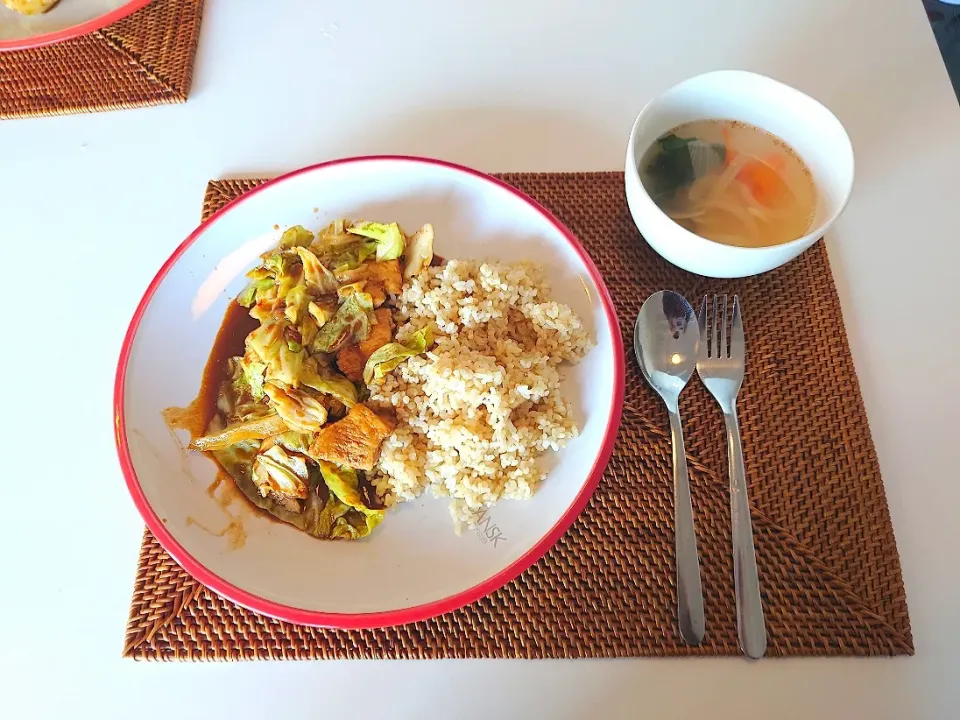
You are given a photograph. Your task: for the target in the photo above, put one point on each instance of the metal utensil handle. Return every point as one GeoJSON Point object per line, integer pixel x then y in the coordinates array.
{"type": "Point", "coordinates": [750, 628]}
{"type": "Point", "coordinates": [689, 590]}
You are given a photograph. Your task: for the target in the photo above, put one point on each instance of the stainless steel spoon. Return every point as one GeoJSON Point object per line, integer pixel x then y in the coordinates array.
{"type": "Point", "coordinates": [666, 340]}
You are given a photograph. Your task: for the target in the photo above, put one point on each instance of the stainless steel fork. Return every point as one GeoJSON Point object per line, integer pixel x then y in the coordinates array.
{"type": "Point", "coordinates": [721, 366]}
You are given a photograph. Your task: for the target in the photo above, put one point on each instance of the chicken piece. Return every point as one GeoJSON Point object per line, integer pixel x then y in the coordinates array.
{"type": "Point", "coordinates": [376, 294]}
{"type": "Point", "coordinates": [387, 275]}
{"type": "Point", "coordinates": [380, 334]}
{"type": "Point", "coordinates": [30, 7]}
{"type": "Point", "coordinates": [384, 275]}
{"type": "Point", "coordinates": [351, 360]}
{"type": "Point", "coordinates": [353, 442]}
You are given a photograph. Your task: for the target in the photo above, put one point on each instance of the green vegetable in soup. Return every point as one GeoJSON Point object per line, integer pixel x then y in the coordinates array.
{"type": "Point", "coordinates": [678, 161]}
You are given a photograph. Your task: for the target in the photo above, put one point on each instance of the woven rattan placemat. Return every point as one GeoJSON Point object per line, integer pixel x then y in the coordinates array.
{"type": "Point", "coordinates": [144, 59]}
{"type": "Point", "coordinates": [829, 569]}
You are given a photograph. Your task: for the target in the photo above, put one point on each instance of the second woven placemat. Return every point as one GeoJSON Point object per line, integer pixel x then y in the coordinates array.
{"type": "Point", "coordinates": [829, 569]}
{"type": "Point", "coordinates": [144, 59]}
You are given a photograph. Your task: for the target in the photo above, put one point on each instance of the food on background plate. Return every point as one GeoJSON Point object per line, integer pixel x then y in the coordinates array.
{"type": "Point", "coordinates": [30, 7]}
{"type": "Point", "coordinates": [730, 182]}
{"type": "Point", "coordinates": [364, 376]}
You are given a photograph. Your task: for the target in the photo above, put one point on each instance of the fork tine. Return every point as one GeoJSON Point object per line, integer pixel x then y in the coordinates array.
{"type": "Point", "coordinates": [737, 344]}
{"type": "Point", "coordinates": [722, 318]}
{"type": "Point", "coordinates": [702, 322]}
{"type": "Point", "coordinates": [715, 330]}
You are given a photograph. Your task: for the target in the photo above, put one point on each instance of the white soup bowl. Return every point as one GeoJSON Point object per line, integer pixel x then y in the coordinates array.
{"type": "Point", "coordinates": [803, 123]}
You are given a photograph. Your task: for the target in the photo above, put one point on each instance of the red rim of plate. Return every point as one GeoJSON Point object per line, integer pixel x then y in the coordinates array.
{"type": "Point", "coordinates": [74, 31]}
{"type": "Point", "coordinates": [389, 617]}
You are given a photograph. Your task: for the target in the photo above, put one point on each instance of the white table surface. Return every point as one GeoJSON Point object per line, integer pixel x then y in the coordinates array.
{"type": "Point", "coordinates": [90, 206]}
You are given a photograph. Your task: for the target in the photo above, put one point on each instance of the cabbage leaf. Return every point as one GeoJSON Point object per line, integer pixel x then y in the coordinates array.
{"type": "Point", "coordinates": [349, 325]}
{"type": "Point", "coordinates": [389, 238]}
{"type": "Point", "coordinates": [255, 429]}
{"type": "Point", "coordinates": [344, 485]}
{"type": "Point", "coordinates": [315, 272]}
{"type": "Point", "coordinates": [253, 372]}
{"type": "Point", "coordinates": [392, 354]}
{"type": "Point", "coordinates": [296, 236]}
{"type": "Point", "coordinates": [276, 470]}
{"type": "Point", "coordinates": [419, 252]}
{"type": "Point", "coordinates": [326, 381]}
{"type": "Point", "coordinates": [300, 411]}
{"type": "Point", "coordinates": [254, 291]}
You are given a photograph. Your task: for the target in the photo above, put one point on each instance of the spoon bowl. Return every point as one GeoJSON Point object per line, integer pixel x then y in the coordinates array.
{"type": "Point", "coordinates": [666, 341]}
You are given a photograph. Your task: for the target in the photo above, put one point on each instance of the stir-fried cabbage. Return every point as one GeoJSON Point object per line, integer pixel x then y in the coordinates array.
{"type": "Point", "coordinates": [280, 263]}
{"type": "Point", "coordinates": [264, 342]}
{"type": "Point", "coordinates": [253, 373]}
{"type": "Point", "coordinates": [276, 470]}
{"type": "Point", "coordinates": [316, 274]}
{"type": "Point", "coordinates": [314, 298]}
{"type": "Point", "coordinates": [351, 324]}
{"type": "Point", "coordinates": [389, 238]}
{"type": "Point", "coordinates": [285, 366]}
{"type": "Point", "coordinates": [295, 236]}
{"type": "Point", "coordinates": [297, 301]}
{"type": "Point", "coordinates": [391, 355]}
{"type": "Point", "coordinates": [254, 291]}
{"type": "Point", "coordinates": [321, 312]}
{"type": "Point", "coordinates": [299, 410]}
{"type": "Point", "coordinates": [345, 491]}
{"type": "Point", "coordinates": [294, 441]}
{"type": "Point", "coordinates": [255, 429]}
{"type": "Point", "coordinates": [419, 252]}
{"type": "Point", "coordinates": [326, 381]}
{"type": "Point", "coordinates": [352, 256]}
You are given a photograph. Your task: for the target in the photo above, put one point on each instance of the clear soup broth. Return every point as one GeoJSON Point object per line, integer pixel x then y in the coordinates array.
{"type": "Point", "coordinates": [730, 182]}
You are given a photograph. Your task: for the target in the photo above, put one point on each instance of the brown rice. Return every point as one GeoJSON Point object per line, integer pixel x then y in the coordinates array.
{"type": "Point", "coordinates": [477, 410]}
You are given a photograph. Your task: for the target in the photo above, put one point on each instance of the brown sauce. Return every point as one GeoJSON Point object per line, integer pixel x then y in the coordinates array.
{"type": "Point", "coordinates": [224, 492]}
{"type": "Point", "coordinates": [234, 532]}
{"type": "Point", "coordinates": [195, 417]}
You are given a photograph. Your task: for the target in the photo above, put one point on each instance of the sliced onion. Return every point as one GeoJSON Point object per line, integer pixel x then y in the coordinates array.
{"type": "Point", "coordinates": [750, 227]}
{"type": "Point", "coordinates": [728, 175]}
{"type": "Point", "coordinates": [686, 215]}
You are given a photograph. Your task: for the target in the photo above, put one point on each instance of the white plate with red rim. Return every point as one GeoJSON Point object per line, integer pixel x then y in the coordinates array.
{"type": "Point", "coordinates": [66, 20]}
{"type": "Point", "coordinates": [413, 566]}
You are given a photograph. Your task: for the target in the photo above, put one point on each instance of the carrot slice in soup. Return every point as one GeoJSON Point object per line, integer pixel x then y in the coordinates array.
{"type": "Point", "coordinates": [764, 181]}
